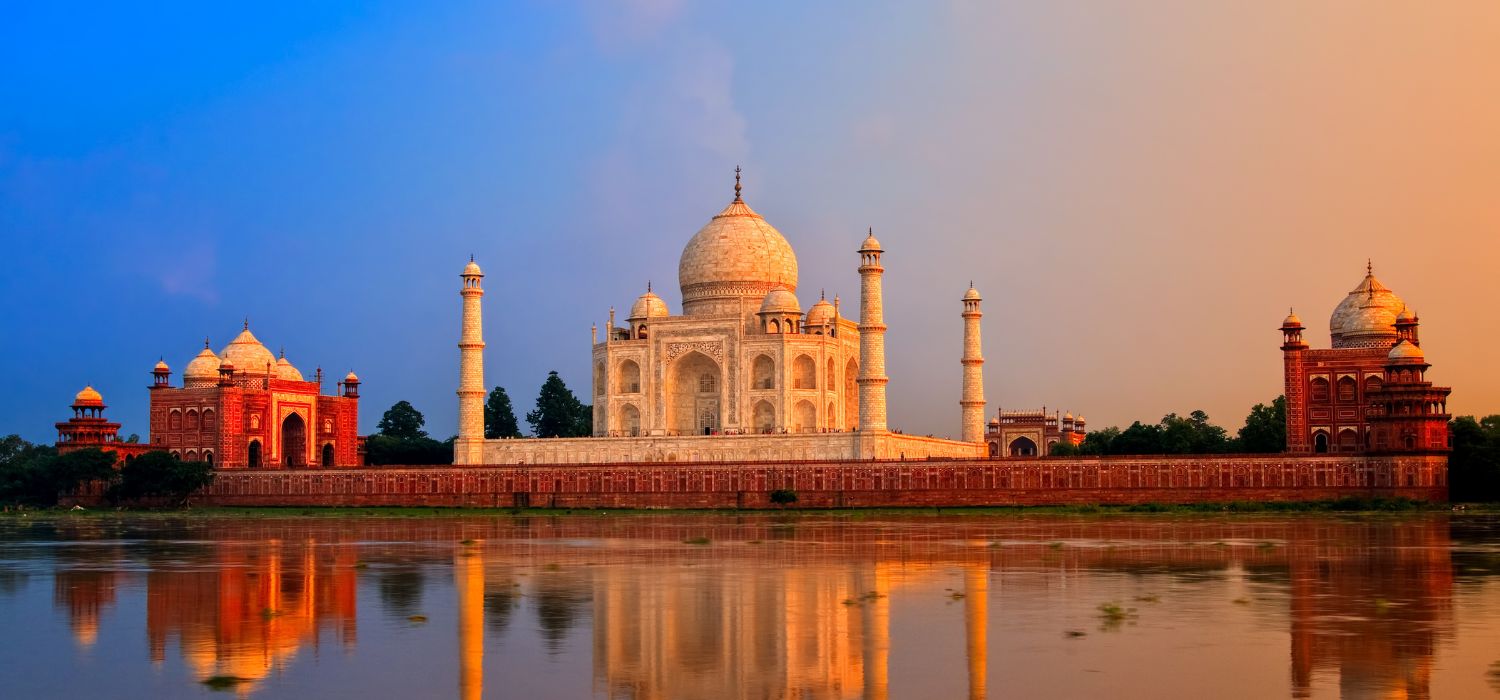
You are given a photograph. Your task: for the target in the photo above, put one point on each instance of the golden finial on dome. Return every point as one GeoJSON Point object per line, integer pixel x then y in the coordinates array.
{"type": "Point", "coordinates": [736, 183]}
{"type": "Point", "coordinates": [205, 342]}
{"type": "Point", "coordinates": [247, 323]}
{"type": "Point", "coordinates": [648, 286]}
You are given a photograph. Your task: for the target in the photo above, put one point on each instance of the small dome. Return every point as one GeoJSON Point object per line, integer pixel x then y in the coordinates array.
{"type": "Point", "coordinates": [870, 244]}
{"type": "Point", "coordinates": [1291, 319]}
{"type": "Point", "coordinates": [472, 269]}
{"type": "Point", "coordinates": [1404, 351]}
{"type": "Point", "coordinates": [1366, 318]}
{"type": "Point", "coordinates": [972, 294]}
{"type": "Point", "coordinates": [351, 378]}
{"type": "Point", "coordinates": [780, 300]}
{"type": "Point", "coordinates": [285, 370]}
{"type": "Point", "coordinates": [88, 397]}
{"type": "Point", "coordinates": [820, 314]}
{"type": "Point", "coordinates": [648, 305]}
{"type": "Point", "coordinates": [204, 366]}
{"type": "Point", "coordinates": [1068, 416]}
{"type": "Point", "coordinates": [1406, 316]}
{"type": "Point", "coordinates": [247, 353]}
{"type": "Point", "coordinates": [161, 366]}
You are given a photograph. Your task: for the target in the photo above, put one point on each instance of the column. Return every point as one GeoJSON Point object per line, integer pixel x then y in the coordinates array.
{"type": "Point", "coordinates": [971, 403]}
{"type": "Point", "coordinates": [470, 444]}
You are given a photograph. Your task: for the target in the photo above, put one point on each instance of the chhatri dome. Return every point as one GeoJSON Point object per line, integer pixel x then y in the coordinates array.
{"type": "Point", "coordinates": [780, 300]}
{"type": "Point", "coordinates": [88, 397]}
{"type": "Point", "coordinates": [736, 257]}
{"type": "Point", "coordinates": [203, 368]}
{"type": "Point", "coordinates": [285, 370]}
{"type": "Point", "coordinates": [648, 305]}
{"type": "Point", "coordinates": [821, 313]}
{"type": "Point", "coordinates": [1366, 318]}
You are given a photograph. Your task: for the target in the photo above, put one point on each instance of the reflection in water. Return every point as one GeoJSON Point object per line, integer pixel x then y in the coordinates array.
{"type": "Point", "coordinates": [766, 609]}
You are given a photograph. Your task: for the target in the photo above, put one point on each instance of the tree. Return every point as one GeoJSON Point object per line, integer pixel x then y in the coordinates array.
{"type": "Point", "coordinates": [36, 475]}
{"type": "Point", "coordinates": [157, 474]}
{"type": "Point", "coordinates": [499, 416]}
{"type": "Point", "coordinates": [558, 412]}
{"type": "Point", "coordinates": [1265, 428]}
{"type": "Point", "coordinates": [1474, 466]}
{"type": "Point", "coordinates": [403, 422]}
{"type": "Point", "coordinates": [384, 450]}
{"type": "Point", "coordinates": [1098, 442]}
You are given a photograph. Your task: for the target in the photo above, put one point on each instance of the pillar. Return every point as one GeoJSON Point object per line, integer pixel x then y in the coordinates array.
{"type": "Point", "coordinates": [1294, 353]}
{"type": "Point", "coordinates": [971, 403]}
{"type": "Point", "coordinates": [470, 444]}
{"type": "Point", "coordinates": [872, 379]}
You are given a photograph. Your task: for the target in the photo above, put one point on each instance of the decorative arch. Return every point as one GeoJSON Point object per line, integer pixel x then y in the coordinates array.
{"type": "Point", "coordinates": [174, 420]}
{"type": "Point", "coordinates": [1373, 384]}
{"type": "Point", "coordinates": [830, 419]}
{"type": "Point", "coordinates": [210, 419]}
{"type": "Point", "coordinates": [190, 456]}
{"type": "Point", "coordinates": [628, 420]}
{"type": "Point", "coordinates": [642, 333]}
{"type": "Point", "coordinates": [208, 457]}
{"type": "Point", "coordinates": [328, 455]}
{"type": "Point", "coordinates": [1320, 441]}
{"type": "Point", "coordinates": [190, 419]}
{"type": "Point", "coordinates": [764, 416]}
{"type": "Point", "coordinates": [598, 379]}
{"type": "Point", "coordinates": [628, 378]}
{"type": "Point", "coordinates": [830, 379]}
{"type": "Point", "coordinates": [255, 421]}
{"type": "Point", "coordinates": [294, 440]}
{"type": "Point", "coordinates": [1348, 440]}
{"type": "Point", "coordinates": [1022, 447]}
{"type": "Point", "coordinates": [252, 455]}
{"type": "Point", "coordinates": [763, 373]}
{"type": "Point", "coordinates": [775, 326]}
{"type": "Point", "coordinates": [690, 409]}
{"type": "Point", "coordinates": [1348, 389]}
{"type": "Point", "coordinates": [1318, 390]}
{"type": "Point", "coordinates": [851, 394]}
{"type": "Point", "coordinates": [804, 417]}
{"type": "Point", "coordinates": [994, 449]}
{"type": "Point", "coordinates": [804, 373]}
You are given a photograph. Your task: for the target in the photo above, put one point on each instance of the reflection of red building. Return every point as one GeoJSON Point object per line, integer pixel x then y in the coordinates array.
{"type": "Point", "coordinates": [88, 428]}
{"type": "Point", "coordinates": [245, 407]}
{"type": "Point", "coordinates": [1368, 392]}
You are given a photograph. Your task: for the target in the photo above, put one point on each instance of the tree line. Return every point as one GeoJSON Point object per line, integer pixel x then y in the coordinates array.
{"type": "Point", "coordinates": [36, 475]}
{"type": "Point", "coordinates": [1264, 432]}
{"type": "Point", "coordinates": [400, 437]}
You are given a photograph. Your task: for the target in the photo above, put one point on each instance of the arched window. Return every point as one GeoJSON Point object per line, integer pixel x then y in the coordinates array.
{"type": "Point", "coordinates": [1372, 384]}
{"type": "Point", "coordinates": [190, 456]}
{"type": "Point", "coordinates": [1320, 442]}
{"type": "Point", "coordinates": [830, 382]}
{"type": "Point", "coordinates": [994, 449]}
{"type": "Point", "coordinates": [599, 379]}
{"type": "Point", "coordinates": [1348, 440]}
{"type": "Point", "coordinates": [253, 454]}
{"type": "Point", "coordinates": [775, 326]}
{"type": "Point", "coordinates": [328, 425]}
{"type": "Point", "coordinates": [255, 421]}
{"type": "Point", "coordinates": [804, 373]}
{"type": "Point", "coordinates": [641, 332]}
{"type": "Point", "coordinates": [174, 420]}
{"type": "Point", "coordinates": [191, 422]}
{"type": "Point", "coordinates": [1319, 393]}
{"type": "Point", "coordinates": [708, 383]}
{"type": "Point", "coordinates": [628, 380]}
{"type": "Point", "coordinates": [208, 457]}
{"type": "Point", "coordinates": [763, 373]}
{"type": "Point", "coordinates": [327, 454]}
{"type": "Point", "coordinates": [1346, 390]}
{"type": "Point", "coordinates": [208, 419]}
{"type": "Point", "coordinates": [765, 416]}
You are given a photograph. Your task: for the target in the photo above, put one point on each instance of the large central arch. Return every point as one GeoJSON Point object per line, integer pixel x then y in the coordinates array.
{"type": "Point", "coordinates": [293, 441]}
{"type": "Point", "coordinates": [694, 389]}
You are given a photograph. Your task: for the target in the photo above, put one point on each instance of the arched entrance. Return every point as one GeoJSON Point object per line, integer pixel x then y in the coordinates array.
{"type": "Point", "coordinates": [327, 460]}
{"type": "Point", "coordinates": [253, 458]}
{"type": "Point", "coordinates": [294, 441]}
{"type": "Point", "coordinates": [693, 395]}
{"type": "Point", "coordinates": [1320, 443]}
{"type": "Point", "coordinates": [1022, 447]}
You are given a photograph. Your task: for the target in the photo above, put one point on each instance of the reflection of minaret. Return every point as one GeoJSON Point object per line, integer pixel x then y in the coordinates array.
{"type": "Point", "coordinates": [976, 623]}
{"type": "Point", "coordinates": [877, 623]}
{"type": "Point", "coordinates": [470, 445]}
{"type": "Point", "coordinates": [468, 581]}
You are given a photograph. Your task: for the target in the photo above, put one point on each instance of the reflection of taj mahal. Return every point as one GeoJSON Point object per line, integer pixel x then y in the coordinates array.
{"type": "Point", "coordinates": [741, 374]}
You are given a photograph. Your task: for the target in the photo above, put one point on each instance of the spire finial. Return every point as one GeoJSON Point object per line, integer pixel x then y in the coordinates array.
{"type": "Point", "coordinates": [822, 295]}
{"type": "Point", "coordinates": [283, 352]}
{"type": "Point", "coordinates": [648, 286]}
{"type": "Point", "coordinates": [736, 183]}
{"type": "Point", "coordinates": [1369, 266]}
{"type": "Point", "coordinates": [247, 323]}
{"type": "Point", "coordinates": [205, 342]}
{"type": "Point", "coordinates": [471, 257]}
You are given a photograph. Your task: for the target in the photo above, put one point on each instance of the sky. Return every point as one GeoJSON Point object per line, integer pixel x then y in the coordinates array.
{"type": "Point", "coordinates": [1140, 190]}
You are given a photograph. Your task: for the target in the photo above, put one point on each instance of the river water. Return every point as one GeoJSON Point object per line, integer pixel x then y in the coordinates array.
{"type": "Point", "coordinates": [757, 606]}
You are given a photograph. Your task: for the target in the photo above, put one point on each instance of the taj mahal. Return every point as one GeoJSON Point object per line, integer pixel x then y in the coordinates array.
{"type": "Point", "coordinates": [741, 374]}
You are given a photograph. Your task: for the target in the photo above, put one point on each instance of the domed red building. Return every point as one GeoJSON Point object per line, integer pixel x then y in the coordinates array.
{"type": "Point", "coordinates": [1368, 393]}
{"type": "Point", "coordinates": [244, 407]}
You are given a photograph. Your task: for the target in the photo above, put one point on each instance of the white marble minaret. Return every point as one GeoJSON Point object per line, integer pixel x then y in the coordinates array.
{"type": "Point", "coordinates": [872, 379]}
{"type": "Point", "coordinates": [469, 448]}
{"type": "Point", "coordinates": [972, 401]}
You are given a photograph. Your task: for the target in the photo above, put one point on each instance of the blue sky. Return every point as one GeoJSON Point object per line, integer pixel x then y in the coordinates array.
{"type": "Point", "coordinates": [1139, 193]}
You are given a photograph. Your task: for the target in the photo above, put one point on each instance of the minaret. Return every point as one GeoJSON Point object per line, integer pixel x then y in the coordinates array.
{"type": "Point", "coordinates": [872, 379]}
{"type": "Point", "coordinates": [1294, 357]}
{"type": "Point", "coordinates": [470, 445]}
{"type": "Point", "coordinates": [972, 401]}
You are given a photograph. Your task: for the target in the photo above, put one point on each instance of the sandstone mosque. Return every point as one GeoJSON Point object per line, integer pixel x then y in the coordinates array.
{"type": "Point", "coordinates": [742, 374]}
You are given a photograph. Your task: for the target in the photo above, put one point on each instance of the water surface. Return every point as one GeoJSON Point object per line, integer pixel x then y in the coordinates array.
{"type": "Point", "coordinates": [761, 606]}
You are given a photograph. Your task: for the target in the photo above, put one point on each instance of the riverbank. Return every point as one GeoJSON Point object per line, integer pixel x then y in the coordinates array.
{"type": "Point", "coordinates": [1346, 506]}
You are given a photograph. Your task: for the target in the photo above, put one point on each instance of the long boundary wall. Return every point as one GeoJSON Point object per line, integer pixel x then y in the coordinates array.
{"type": "Point", "coordinates": [847, 484]}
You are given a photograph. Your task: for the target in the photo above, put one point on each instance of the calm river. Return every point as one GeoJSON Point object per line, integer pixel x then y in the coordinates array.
{"type": "Point", "coordinates": [761, 606]}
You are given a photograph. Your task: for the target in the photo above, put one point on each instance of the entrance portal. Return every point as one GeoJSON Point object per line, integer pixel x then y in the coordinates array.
{"type": "Point", "coordinates": [294, 441]}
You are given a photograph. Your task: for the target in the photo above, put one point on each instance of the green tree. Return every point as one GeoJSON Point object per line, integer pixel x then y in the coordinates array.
{"type": "Point", "coordinates": [157, 474]}
{"type": "Point", "coordinates": [558, 412]}
{"type": "Point", "coordinates": [403, 421]}
{"type": "Point", "coordinates": [1063, 448]}
{"type": "Point", "coordinates": [1474, 466]}
{"type": "Point", "coordinates": [1138, 439]}
{"type": "Point", "coordinates": [1265, 428]}
{"type": "Point", "coordinates": [499, 416]}
{"type": "Point", "coordinates": [1099, 442]}
{"type": "Point", "coordinates": [36, 475]}
{"type": "Point", "coordinates": [386, 450]}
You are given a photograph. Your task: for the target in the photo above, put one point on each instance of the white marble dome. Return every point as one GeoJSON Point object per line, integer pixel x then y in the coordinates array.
{"type": "Point", "coordinates": [648, 305]}
{"type": "Point", "coordinates": [285, 370]}
{"type": "Point", "coordinates": [1366, 318]}
{"type": "Point", "coordinates": [736, 255]}
{"type": "Point", "coordinates": [780, 300]}
{"type": "Point", "coordinates": [247, 353]}
{"type": "Point", "coordinates": [820, 314]}
{"type": "Point", "coordinates": [203, 367]}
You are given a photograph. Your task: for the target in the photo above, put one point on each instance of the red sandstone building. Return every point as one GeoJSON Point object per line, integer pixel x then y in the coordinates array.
{"type": "Point", "coordinates": [1032, 433]}
{"type": "Point", "coordinates": [245, 408]}
{"type": "Point", "coordinates": [89, 428]}
{"type": "Point", "coordinates": [1369, 392]}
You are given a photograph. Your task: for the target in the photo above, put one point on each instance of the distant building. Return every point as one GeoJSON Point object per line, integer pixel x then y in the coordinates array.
{"type": "Point", "coordinates": [1368, 392]}
{"type": "Point", "coordinates": [88, 428]}
{"type": "Point", "coordinates": [1032, 433]}
{"type": "Point", "coordinates": [245, 408]}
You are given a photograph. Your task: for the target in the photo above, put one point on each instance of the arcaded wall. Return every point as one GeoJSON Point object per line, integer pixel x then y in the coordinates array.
{"type": "Point", "coordinates": [836, 484]}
